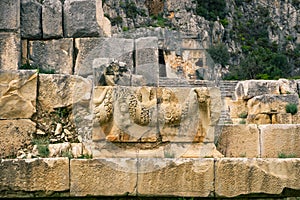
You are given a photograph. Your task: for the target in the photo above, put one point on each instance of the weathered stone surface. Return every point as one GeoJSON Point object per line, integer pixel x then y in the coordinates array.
{"type": "Point", "coordinates": [259, 119]}
{"type": "Point", "coordinates": [17, 94]}
{"type": "Point", "coordinates": [123, 114]}
{"type": "Point", "coordinates": [296, 118]}
{"type": "Point", "coordinates": [268, 104]}
{"type": "Point", "coordinates": [239, 141]}
{"type": "Point", "coordinates": [251, 88]}
{"type": "Point", "coordinates": [185, 114]}
{"type": "Point", "coordinates": [9, 51]}
{"type": "Point", "coordinates": [237, 108]}
{"type": "Point", "coordinates": [14, 135]}
{"type": "Point", "coordinates": [57, 90]}
{"type": "Point", "coordinates": [10, 15]}
{"type": "Point", "coordinates": [31, 15]}
{"type": "Point", "coordinates": [92, 49]}
{"type": "Point", "coordinates": [83, 18]}
{"type": "Point", "coordinates": [234, 177]}
{"type": "Point", "coordinates": [191, 150]}
{"type": "Point", "coordinates": [176, 177]}
{"type": "Point", "coordinates": [103, 177]}
{"type": "Point", "coordinates": [52, 56]}
{"type": "Point", "coordinates": [280, 139]}
{"type": "Point", "coordinates": [34, 175]}
{"type": "Point", "coordinates": [287, 86]}
{"type": "Point", "coordinates": [282, 118]}
{"type": "Point", "coordinates": [147, 59]}
{"type": "Point", "coordinates": [52, 19]}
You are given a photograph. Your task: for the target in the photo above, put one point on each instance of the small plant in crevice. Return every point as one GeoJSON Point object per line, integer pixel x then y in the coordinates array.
{"type": "Point", "coordinates": [85, 156]}
{"type": "Point", "coordinates": [242, 121]}
{"type": "Point", "coordinates": [168, 154]}
{"type": "Point", "coordinates": [283, 155]}
{"type": "Point", "coordinates": [291, 108]}
{"type": "Point", "coordinates": [243, 115]}
{"type": "Point", "coordinates": [67, 154]}
{"type": "Point", "coordinates": [42, 146]}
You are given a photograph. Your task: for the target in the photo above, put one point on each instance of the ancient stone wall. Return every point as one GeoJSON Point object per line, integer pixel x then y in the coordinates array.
{"type": "Point", "coordinates": [85, 113]}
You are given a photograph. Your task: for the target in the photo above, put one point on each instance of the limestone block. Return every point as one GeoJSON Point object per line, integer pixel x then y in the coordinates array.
{"type": "Point", "coordinates": [296, 118]}
{"type": "Point", "coordinates": [185, 114]}
{"type": "Point", "coordinates": [83, 18]}
{"type": "Point", "coordinates": [9, 51]}
{"type": "Point", "coordinates": [52, 19]}
{"type": "Point", "coordinates": [147, 59]}
{"type": "Point", "coordinates": [105, 177]}
{"type": "Point", "coordinates": [52, 56]}
{"type": "Point", "coordinates": [287, 86]}
{"type": "Point", "coordinates": [17, 94]}
{"type": "Point", "coordinates": [125, 114]}
{"type": "Point", "coordinates": [251, 88]}
{"type": "Point", "coordinates": [92, 49]}
{"type": "Point", "coordinates": [259, 119]}
{"type": "Point", "coordinates": [239, 141]}
{"type": "Point", "coordinates": [34, 175]}
{"type": "Point", "coordinates": [31, 23]}
{"type": "Point", "coordinates": [57, 90]}
{"type": "Point", "coordinates": [237, 108]}
{"type": "Point", "coordinates": [234, 177]}
{"type": "Point", "coordinates": [176, 177]}
{"type": "Point", "coordinates": [268, 104]}
{"type": "Point", "coordinates": [282, 118]}
{"type": "Point", "coordinates": [280, 138]}
{"type": "Point", "coordinates": [14, 135]}
{"type": "Point", "coordinates": [10, 15]}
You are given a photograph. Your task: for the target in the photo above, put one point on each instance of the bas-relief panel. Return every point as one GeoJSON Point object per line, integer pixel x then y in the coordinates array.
{"type": "Point", "coordinates": [148, 114]}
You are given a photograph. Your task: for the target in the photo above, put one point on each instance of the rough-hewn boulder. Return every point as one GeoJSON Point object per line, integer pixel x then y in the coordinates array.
{"type": "Point", "coordinates": [267, 104]}
{"type": "Point", "coordinates": [251, 88]}
{"type": "Point", "coordinates": [17, 94]}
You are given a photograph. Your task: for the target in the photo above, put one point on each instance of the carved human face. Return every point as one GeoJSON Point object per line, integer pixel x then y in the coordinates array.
{"type": "Point", "coordinates": [166, 96]}
{"type": "Point", "coordinates": [123, 107]}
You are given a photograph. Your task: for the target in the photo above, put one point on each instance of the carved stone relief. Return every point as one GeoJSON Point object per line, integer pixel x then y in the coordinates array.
{"type": "Point", "coordinates": [148, 114]}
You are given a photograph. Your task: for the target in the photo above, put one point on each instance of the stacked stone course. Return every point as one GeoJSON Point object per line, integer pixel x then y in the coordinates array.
{"type": "Point", "coordinates": [174, 141]}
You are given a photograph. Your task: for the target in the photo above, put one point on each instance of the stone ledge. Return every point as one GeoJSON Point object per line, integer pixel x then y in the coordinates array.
{"type": "Point", "coordinates": [151, 177]}
{"type": "Point", "coordinates": [42, 177]}
{"type": "Point", "coordinates": [243, 176]}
